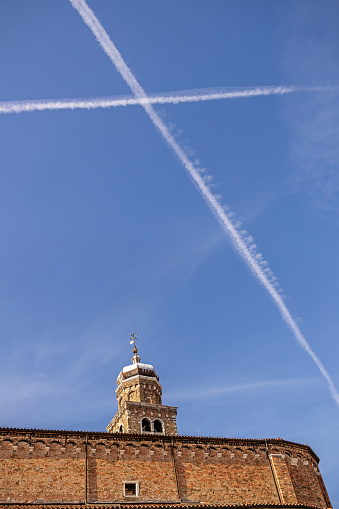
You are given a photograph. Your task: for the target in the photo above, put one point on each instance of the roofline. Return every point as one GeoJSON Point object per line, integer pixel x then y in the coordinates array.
{"type": "Point", "coordinates": [152, 505]}
{"type": "Point", "coordinates": [156, 406]}
{"type": "Point", "coordinates": [164, 438]}
{"type": "Point", "coordinates": [128, 379]}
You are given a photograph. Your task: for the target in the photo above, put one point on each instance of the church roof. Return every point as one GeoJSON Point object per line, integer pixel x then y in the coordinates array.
{"type": "Point", "coordinates": [137, 368]}
{"type": "Point", "coordinates": [140, 365]}
{"type": "Point", "coordinates": [152, 505]}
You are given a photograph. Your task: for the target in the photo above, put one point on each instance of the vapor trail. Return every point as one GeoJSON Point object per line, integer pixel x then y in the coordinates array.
{"type": "Point", "coordinates": [240, 241]}
{"type": "Point", "coordinates": [181, 96]}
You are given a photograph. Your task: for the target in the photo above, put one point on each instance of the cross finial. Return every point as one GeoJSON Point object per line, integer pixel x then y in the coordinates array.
{"type": "Point", "coordinates": [133, 338]}
{"type": "Point", "coordinates": [135, 357]}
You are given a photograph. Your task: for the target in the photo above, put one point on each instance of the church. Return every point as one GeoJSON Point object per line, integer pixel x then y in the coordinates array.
{"type": "Point", "coordinates": [142, 462]}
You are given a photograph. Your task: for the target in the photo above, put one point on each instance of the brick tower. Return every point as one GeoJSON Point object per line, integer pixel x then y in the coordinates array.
{"type": "Point", "coordinates": [140, 409]}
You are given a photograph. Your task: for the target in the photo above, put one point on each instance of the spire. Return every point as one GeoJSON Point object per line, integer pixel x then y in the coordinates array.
{"type": "Point", "coordinates": [135, 358]}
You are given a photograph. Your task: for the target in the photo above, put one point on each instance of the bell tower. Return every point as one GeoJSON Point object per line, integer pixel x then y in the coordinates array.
{"type": "Point", "coordinates": [140, 409]}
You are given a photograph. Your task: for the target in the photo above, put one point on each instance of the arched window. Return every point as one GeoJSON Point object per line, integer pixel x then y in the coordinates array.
{"type": "Point", "coordinates": [131, 396]}
{"type": "Point", "coordinates": [145, 425]}
{"type": "Point", "coordinates": [121, 428]}
{"type": "Point", "coordinates": [158, 426]}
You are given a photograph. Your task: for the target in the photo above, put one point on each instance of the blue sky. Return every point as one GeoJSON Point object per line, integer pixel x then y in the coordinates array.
{"type": "Point", "coordinates": [103, 233]}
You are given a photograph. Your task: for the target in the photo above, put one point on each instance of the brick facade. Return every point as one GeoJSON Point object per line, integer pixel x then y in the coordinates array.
{"type": "Point", "coordinates": [142, 460]}
{"type": "Point", "coordinates": [74, 467]}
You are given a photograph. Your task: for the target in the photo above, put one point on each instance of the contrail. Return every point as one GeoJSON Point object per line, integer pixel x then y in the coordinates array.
{"type": "Point", "coordinates": [240, 241]}
{"type": "Point", "coordinates": [178, 97]}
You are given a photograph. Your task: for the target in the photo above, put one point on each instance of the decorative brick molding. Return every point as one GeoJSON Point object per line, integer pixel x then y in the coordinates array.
{"type": "Point", "coordinates": [215, 471]}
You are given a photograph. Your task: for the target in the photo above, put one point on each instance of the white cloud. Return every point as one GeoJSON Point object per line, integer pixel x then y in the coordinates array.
{"type": "Point", "coordinates": [311, 56]}
{"type": "Point", "coordinates": [52, 381]}
{"type": "Point", "coordinates": [200, 392]}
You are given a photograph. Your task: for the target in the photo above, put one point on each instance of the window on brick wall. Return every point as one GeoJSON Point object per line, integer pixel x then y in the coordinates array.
{"type": "Point", "coordinates": [158, 426]}
{"type": "Point", "coordinates": [132, 396]}
{"type": "Point", "coordinates": [145, 425]}
{"type": "Point", "coordinates": [131, 489]}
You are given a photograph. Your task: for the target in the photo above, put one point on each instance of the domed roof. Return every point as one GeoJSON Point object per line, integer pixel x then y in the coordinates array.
{"type": "Point", "coordinates": [137, 368]}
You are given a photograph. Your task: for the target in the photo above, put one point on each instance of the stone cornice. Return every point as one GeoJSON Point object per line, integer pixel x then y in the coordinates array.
{"type": "Point", "coordinates": [177, 439]}
{"type": "Point", "coordinates": [133, 378]}
{"type": "Point", "coordinates": [153, 505]}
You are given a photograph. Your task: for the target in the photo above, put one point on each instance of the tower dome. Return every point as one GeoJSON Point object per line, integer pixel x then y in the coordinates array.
{"type": "Point", "coordinates": [138, 382]}
{"type": "Point", "coordinates": [135, 369]}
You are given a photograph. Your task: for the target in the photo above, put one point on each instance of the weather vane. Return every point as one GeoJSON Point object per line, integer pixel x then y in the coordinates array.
{"type": "Point", "coordinates": [133, 338]}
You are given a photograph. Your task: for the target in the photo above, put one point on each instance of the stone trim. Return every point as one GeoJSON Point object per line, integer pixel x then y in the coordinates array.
{"type": "Point", "coordinates": [148, 378]}
{"type": "Point", "coordinates": [100, 435]}
{"type": "Point", "coordinates": [152, 505]}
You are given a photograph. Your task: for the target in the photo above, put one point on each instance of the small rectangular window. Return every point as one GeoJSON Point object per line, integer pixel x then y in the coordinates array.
{"type": "Point", "coordinates": [131, 489]}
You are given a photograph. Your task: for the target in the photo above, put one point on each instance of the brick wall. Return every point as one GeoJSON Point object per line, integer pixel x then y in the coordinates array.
{"type": "Point", "coordinates": [306, 479]}
{"type": "Point", "coordinates": [46, 466]}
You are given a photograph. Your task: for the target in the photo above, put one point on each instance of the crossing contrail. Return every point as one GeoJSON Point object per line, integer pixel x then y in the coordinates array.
{"type": "Point", "coordinates": [240, 241]}
{"type": "Point", "coordinates": [178, 97]}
